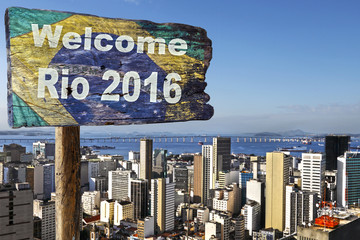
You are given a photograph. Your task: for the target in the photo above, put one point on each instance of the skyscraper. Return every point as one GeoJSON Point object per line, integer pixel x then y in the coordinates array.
{"type": "Point", "coordinates": [44, 181]}
{"type": "Point", "coordinates": [222, 157]}
{"type": "Point", "coordinates": [14, 151]}
{"type": "Point", "coordinates": [335, 146]}
{"type": "Point", "coordinates": [45, 210]}
{"type": "Point", "coordinates": [16, 212]}
{"type": "Point", "coordinates": [225, 222]}
{"type": "Point", "coordinates": [146, 148]}
{"type": "Point", "coordinates": [313, 173]}
{"type": "Point", "coordinates": [255, 191]}
{"type": "Point", "coordinates": [198, 179]}
{"type": "Point", "coordinates": [348, 180]}
{"type": "Point", "coordinates": [139, 196]}
{"type": "Point", "coordinates": [208, 170]}
{"type": "Point", "coordinates": [119, 184]}
{"type": "Point", "coordinates": [277, 177]}
{"type": "Point", "coordinates": [300, 208]}
{"type": "Point", "coordinates": [159, 169]}
{"type": "Point", "coordinates": [163, 204]}
{"type": "Point", "coordinates": [180, 177]}
{"type": "Point", "coordinates": [44, 149]}
{"type": "Point", "coordinates": [252, 213]}
{"type": "Point", "coordinates": [244, 177]}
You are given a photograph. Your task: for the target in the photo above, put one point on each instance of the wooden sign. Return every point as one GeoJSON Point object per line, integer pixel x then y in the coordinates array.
{"type": "Point", "coordinates": [68, 69]}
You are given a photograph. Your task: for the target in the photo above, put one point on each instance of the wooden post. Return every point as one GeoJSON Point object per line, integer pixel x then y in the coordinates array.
{"type": "Point", "coordinates": [67, 182]}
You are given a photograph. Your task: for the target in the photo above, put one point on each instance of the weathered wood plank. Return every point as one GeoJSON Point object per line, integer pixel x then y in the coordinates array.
{"type": "Point", "coordinates": [67, 182]}
{"type": "Point", "coordinates": [67, 69]}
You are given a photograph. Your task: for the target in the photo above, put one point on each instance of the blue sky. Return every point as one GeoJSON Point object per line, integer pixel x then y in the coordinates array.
{"type": "Point", "coordinates": [277, 65]}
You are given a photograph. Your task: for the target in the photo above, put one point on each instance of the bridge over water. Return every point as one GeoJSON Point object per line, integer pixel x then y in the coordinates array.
{"type": "Point", "coordinates": [170, 139]}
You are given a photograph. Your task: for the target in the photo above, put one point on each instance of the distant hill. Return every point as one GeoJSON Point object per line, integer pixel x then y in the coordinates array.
{"type": "Point", "coordinates": [267, 134]}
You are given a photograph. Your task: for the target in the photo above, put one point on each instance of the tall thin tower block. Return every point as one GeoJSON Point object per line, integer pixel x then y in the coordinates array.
{"type": "Point", "coordinates": [146, 148]}
{"type": "Point", "coordinates": [277, 177]}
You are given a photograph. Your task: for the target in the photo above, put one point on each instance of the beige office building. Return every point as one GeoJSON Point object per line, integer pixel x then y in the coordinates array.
{"type": "Point", "coordinates": [198, 179]}
{"type": "Point", "coordinates": [146, 149]}
{"type": "Point", "coordinates": [277, 177]}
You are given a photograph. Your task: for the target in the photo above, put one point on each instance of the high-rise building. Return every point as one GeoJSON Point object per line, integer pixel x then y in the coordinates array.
{"type": "Point", "coordinates": [44, 181]}
{"type": "Point", "coordinates": [335, 146]}
{"type": "Point", "coordinates": [119, 184]}
{"type": "Point", "coordinates": [29, 178]}
{"type": "Point", "coordinates": [254, 160]}
{"type": "Point", "coordinates": [251, 212]}
{"type": "Point", "coordinates": [159, 167]}
{"type": "Point", "coordinates": [313, 173]}
{"type": "Point", "coordinates": [44, 150]}
{"type": "Point", "coordinates": [198, 179]}
{"type": "Point", "coordinates": [106, 166]}
{"type": "Point", "coordinates": [255, 191]}
{"type": "Point", "coordinates": [222, 156]}
{"type": "Point", "coordinates": [146, 149]}
{"type": "Point", "coordinates": [227, 200]}
{"type": "Point", "coordinates": [139, 196]}
{"type": "Point", "coordinates": [145, 227]}
{"type": "Point", "coordinates": [228, 177]}
{"type": "Point", "coordinates": [212, 230]}
{"type": "Point", "coordinates": [16, 212]}
{"type": "Point", "coordinates": [123, 210]}
{"type": "Point", "coordinates": [239, 227]}
{"type": "Point", "coordinates": [180, 178]}
{"type": "Point", "coordinates": [277, 177]}
{"type": "Point", "coordinates": [134, 156]}
{"type": "Point", "coordinates": [93, 169]}
{"type": "Point", "coordinates": [107, 211]}
{"type": "Point", "coordinates": [163, 204]}
{"type": "Point", "coordinates": [91, 202]}
{"type": "Point", "coordinates": [300, 208]}
{"type": "Point", "coordinates": [208, 169]}
{"type": "Point", "coordinates": [45, 210]}
{"type": "Point", "coordinates": [1, 172]}
{"type": "Point", "coordinates": [14, 151]}
{"type": "Point", "coordinates": [244, 177]}
{"type": "Point", "coordinates": [225, 222]}
{"type": "Point", "coordinates": [348, 179]}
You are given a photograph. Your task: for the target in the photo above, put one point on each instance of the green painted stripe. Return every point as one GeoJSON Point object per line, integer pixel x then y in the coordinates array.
{"type": "Point", "coordinates": [23, 115]}
{"type": "Point", "coordinates": [169, 32]}
{"type": "Point", "coordinates": [22, 18]}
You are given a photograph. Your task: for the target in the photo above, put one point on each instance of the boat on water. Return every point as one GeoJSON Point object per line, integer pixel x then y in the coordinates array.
{"type": "Point", "coordinates": [200, 143]}
{"type": "Point", "coordinates": [306, 141]}
{"type": "Point", "coordinates": [293, 149]}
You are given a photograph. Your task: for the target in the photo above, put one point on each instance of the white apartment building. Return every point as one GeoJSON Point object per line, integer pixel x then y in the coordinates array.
{"type": "Point", "coordinates": [46, 212]}
{"type": "Point", "coordinates": [225, 222]}
{"type": "Point", "coordinates": [313, 173]}
{"type": "Point", "coordinates": [203, 214]}
{"type": "Point", "coordinates": [91, 202]}
{"type": "Point", "coordinates": [252, 213]}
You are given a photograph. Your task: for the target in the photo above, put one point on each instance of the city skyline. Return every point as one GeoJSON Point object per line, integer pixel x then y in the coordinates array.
{"type": "Point", "coordinates": [276, 65]}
